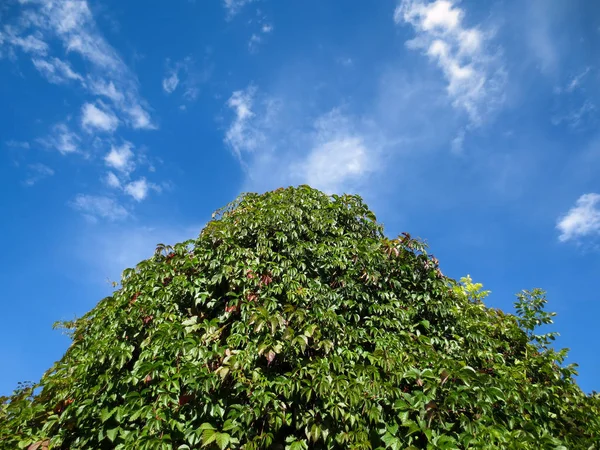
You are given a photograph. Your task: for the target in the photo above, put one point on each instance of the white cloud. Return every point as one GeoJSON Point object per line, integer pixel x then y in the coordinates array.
{"type": "Point", "coordinates": [330, 165]}
{"type": "Point", "coordinates": [267, 28]}
{"type": "Point", "coordinates": [438, 15]}
{"type": "Point", "coordinates": [38, 172]}
{"type": "Point", "coordinates": [139, 189]}
{"type": "Point", "coordinates": [339, 155]}
{"type": "Point", "coordinates": [170, 82]}
{"type": "Point", "coordinates": [475, 77]}
{"type": "Point", "coordinates": [62, 139]}
{"type": "Point", "coordinates": [234, 6]}
{"type": "Point", "coordinates": [120, 158]}
{"type": "Point", "coordinates": [55, 70]}
{"type": "Point", "coordinates": [103, 119]}
{"type": "Point", "coordinates": [583, 220]}
{"type": "Point", "coordinates": [112, 180]}
{"type": "Point", "coordinates": [99, 207]}
{"type": "Point", "coordinates": [243, 135]}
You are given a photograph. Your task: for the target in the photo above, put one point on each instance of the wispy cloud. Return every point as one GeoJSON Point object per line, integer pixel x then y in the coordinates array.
{"type": "Point", "coordinates": [37, 172]}
{"type": "Point", "coordinates": [170, 82]}
{"type": "Point", "coordinates": [62, 139]}
{"type": "Point", "coordinates": [99, 207]}
{"type": "Point", "coordinates": [257, 38]}
{"type": "Point", "coordinates": [577, 79]}
{"type": "Point", "coordinates": [94, 118]}
{"type": "Point", "coordinates": [234, 6]}
{"type": "Point", "coordinates": [475, 75]}
{"type": "Point", "coordinates": [56, 70]}
{"type": "Point", "coordinates": [30, 43]}
{"type": "Point", "coordinates": [457, 144]}
{"type": "Point", "coordinates": [187, 75]}
{"type": "Point", "coordinates": [539, 33]}
{"type": "Point", "coordinates": [106, 89]}
{"type": "Point", "coordinates": [102, 74]}
{"type": "Point", "coordinates": [254, 42]}
{"type": "Point", "coordinates": [18, 144]}
{"type": "Point", "coordinates": [191, 93]}
{"type": "Point", "coordinates": [244, 134]}
{"type": "Point", "coordinates": [582, 221]}
{"type": "Point", "coordinates": [578, 117]}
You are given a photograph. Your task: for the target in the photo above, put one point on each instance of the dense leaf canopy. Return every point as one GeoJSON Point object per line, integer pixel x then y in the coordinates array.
{"type": "Point", "coordinates": [293, 322]}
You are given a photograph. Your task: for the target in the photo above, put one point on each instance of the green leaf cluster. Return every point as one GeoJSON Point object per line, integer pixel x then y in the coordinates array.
{"type": "Point", "coordinates": [293, 322]}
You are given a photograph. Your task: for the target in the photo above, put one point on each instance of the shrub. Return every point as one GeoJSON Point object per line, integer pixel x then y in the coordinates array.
{"type": "Point", "coordinates": [293, 322]}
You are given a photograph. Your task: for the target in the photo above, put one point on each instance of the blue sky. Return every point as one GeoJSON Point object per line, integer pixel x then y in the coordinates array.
{"type": "Point", "coordinates": [473, 125]}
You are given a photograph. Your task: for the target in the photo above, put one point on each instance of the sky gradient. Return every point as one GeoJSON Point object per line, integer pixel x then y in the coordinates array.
{"type": "Point", "coordinates": [473, 125]}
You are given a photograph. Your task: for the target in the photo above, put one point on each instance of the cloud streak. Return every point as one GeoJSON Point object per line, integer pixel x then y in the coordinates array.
{"type": "Point", "coordinates": [577, 80]}
{"type": "Point", "coordinates": [56, 70]}
{"type": "Point", "coordinates": [475, 76]}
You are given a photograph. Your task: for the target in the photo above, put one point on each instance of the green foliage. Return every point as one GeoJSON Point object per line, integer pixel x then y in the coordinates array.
{"type": "Point", "coordinates": [292, 322]}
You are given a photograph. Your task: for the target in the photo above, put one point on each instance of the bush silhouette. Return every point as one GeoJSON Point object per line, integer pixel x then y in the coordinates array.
{"type": "Point", "coordinates": [293, 322]}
